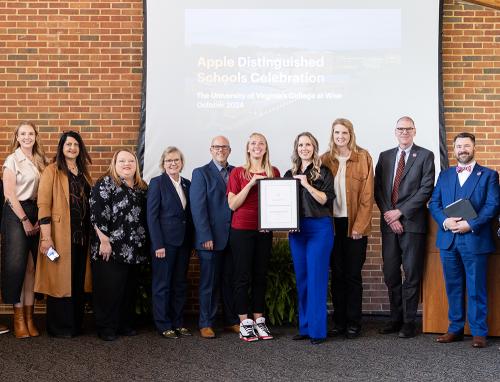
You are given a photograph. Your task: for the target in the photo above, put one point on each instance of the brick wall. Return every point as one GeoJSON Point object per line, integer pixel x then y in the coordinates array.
{"type": "Point", "coordinates": [72, 65]}
{"type": "Point", "coordinates": [77, 65]}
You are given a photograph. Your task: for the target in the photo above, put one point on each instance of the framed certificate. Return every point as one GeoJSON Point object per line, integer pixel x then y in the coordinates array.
{"type": "Point", "coordinates": [278, 204]}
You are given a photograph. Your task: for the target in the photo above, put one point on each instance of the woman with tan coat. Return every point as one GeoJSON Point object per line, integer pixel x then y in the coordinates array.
{"type": "Point", "coordinates": [352, 168]}
{"type": "Point", "coordinates": [64, 216]}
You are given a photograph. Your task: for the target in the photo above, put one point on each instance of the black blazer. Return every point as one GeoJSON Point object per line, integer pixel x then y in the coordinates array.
{"type": "Point", "coordinates": [415, 188]}
{"type": "Point", "coordinates": [168, 222]}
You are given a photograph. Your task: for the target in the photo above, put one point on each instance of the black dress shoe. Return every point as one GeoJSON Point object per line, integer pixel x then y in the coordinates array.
{"type": "Point", "coordinates": [127, 332]}
{"type": "Point", "coordinates": [60, 335]}
{"type": "Point", "coordinates": [107, 336]}
{"type": "Point", "coordinates": [336, 331]}
{"type": "Point", "coordinates": [353, 332]}
{"type": "Point", "coordinates": [408, 330]}
{"type": "Point", "coordinates": [300, 337]}
{"type": "Point", "coordinates": [391, 327]}
{"type": "Point", "coordinates": [317, 341]}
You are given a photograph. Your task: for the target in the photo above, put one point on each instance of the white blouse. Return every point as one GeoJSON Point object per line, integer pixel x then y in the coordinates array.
{"type": "Point", "coordinates": [340, 201]}
{"type": "Point", "coordinates": [27, 175]}
{"type": "Point", "coordinates": [180, 191]}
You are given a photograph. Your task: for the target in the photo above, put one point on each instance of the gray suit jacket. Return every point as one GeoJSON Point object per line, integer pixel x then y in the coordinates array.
{"type": "Point", "coordinates": [415, 188]}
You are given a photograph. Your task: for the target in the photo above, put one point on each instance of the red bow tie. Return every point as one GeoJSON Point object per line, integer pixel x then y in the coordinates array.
{"type": "Point", "coordinates": [464, 168]}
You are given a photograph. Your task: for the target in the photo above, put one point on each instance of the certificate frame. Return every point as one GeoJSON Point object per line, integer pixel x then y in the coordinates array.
{"type": "Point", "coordinates": [278, 204]}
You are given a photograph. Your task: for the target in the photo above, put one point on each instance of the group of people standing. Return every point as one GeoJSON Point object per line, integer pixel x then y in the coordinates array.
{"type": "Point", "coordinates": [52, 217]}
{"type": "Point", "coordinates": [124, 223]}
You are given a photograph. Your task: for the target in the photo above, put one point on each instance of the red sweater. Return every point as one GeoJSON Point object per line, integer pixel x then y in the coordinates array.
{"type": "Point", "coordinates": [246, 216]}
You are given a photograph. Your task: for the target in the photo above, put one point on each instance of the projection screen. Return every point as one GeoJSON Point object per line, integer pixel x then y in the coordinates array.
{"type": "Point", "coordinates": [280, 68]}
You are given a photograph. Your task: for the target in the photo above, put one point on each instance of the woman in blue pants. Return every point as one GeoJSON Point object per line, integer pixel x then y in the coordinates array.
{"type": "Point", "coordinates": [311, 246]}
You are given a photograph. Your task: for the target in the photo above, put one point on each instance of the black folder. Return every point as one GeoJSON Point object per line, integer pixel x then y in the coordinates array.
{"type": "Point", "coordinates": [462, 208]}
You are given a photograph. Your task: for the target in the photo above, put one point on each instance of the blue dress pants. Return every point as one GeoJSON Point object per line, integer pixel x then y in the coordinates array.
{"type": "Point", "coordinates": [216, 278]}
{"type": "Point", "coordinates": [311, 248]}
{"type": "Point", "coordinates": [465, 270]}
{"type": "Point", "coordinates": [169, 284]}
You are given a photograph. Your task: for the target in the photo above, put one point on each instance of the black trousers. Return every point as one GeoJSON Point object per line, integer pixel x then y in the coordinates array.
{"type": "Point", "coordinates": [251, 252]}
{"type": "Point", "coordinates": [114, 295]}
{"type": "Point", "coordinates": [405, 250]}
{"type": "Point", "coordinates": [65, 314]}
{"type": "Point", "coordinates": [16, 247]}
{"type": "Point", "coordinates": [346, 262]}
{"type": "Point", "coordinates": [227, 288]}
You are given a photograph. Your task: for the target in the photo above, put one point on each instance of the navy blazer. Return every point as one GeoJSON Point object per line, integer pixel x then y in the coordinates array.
{"type": "Point", "coordinates": [168, 222]}
{"type": "Point", "coordinates": [415, 188]}
{"type": "Point", "coordinates": [211, 212]}
{"type": "Point", "coordinates": [482, 191]}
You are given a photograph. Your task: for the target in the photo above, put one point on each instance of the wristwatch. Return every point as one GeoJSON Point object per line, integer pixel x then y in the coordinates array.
{"type": "Point", "coordinates": [24, 219]}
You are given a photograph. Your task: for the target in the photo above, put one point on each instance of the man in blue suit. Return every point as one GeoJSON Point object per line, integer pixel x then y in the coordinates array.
{"type": "Point", "coordinates": [465, 244]}
{"type": "Point", "coordinates": [212, 220]}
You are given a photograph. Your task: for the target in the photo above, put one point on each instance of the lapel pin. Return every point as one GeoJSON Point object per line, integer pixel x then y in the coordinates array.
{"type": "Point", "coordinates": [479, 173]}
{"type": "Point", "coordinates": [414, 155]}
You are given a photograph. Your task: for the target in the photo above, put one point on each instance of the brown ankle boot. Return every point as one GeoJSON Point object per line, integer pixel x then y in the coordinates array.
{"type": "Point", "coordinates": [28, 318]}
{"type": "Point", "coordinates": [20, 329]}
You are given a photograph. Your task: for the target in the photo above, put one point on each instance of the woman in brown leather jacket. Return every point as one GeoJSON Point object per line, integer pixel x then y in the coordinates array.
{"type": "Point", "coordinates": [352, 168]}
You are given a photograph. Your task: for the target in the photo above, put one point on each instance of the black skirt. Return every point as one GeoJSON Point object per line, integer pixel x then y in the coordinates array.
{"type": "Point", "coordinates": [16, 247]}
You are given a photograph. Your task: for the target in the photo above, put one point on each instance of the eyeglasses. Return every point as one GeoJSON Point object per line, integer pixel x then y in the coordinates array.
{"type": "Point", "coordinates": [404, 129]}
{"type": "Point", "coordinates": [70, 131]}
{"type": "Point", "coordinates": [218, 147]}
{"type": "Point", "coordinates": [170, 161]}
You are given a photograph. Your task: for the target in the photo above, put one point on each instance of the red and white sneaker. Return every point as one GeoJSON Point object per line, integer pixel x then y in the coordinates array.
{"type": "Point", "coordinates": [247, 332]}
{"type": "Point", "coordinates": [261, 329]}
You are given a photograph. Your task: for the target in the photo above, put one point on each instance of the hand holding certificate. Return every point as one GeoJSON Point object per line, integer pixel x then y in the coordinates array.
{"type": "Point", "coordinates": [278, 204]}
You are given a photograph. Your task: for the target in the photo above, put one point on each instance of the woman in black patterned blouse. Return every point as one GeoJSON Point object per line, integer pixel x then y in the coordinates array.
{"type": "Point", "coordinates": [117, 207]}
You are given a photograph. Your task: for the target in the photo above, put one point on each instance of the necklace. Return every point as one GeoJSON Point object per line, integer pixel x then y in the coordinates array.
{"type": "Point", "coordinates": [73, 169]}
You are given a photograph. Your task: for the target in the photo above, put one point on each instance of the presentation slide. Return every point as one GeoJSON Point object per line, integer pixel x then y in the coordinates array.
{"type": "Point", "coordinates": [281, 68]}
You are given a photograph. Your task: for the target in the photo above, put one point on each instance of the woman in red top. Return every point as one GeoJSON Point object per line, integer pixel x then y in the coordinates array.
{"type": "Point", "coordinates": [251, 248]}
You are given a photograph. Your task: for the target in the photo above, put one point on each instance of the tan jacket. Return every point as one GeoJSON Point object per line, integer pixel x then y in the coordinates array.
{"type": "Point", "coordinates": [54, 277]}
{"type": "Point", "coordinates": [359, 189]}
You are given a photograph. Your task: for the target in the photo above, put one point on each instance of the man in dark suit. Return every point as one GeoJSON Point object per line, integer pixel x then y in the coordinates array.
{"type": "Point", "coordinates": [404, 179]}
{"type": "Point", "coordinates": [465, 243]}
{"type": "Point", "coordinates": [212, 220]}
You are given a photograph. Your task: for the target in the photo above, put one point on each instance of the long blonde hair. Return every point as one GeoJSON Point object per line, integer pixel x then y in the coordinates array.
{"type": "Point", "coordinates": [352, 146]}
{"type": "Point", "coordinates": [266, 163]}
{"type": "Point", "coordinates": [297, 162]}
{"type": "Point", "coordinates": [138, 181]}
{"type": "Point", "coordinates": [39, 158]}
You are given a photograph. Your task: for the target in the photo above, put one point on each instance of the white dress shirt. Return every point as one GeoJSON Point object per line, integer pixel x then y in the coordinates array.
{"type": "Point", "coordinates": [464, 175]}
{"type": "Point", "coordinates": [398, 155]}
{"type": "Point", "coordinates": [180, 191]}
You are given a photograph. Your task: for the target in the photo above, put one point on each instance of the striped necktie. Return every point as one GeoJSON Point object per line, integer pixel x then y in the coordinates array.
{"type": "Point", "coordinates": [397, 179]}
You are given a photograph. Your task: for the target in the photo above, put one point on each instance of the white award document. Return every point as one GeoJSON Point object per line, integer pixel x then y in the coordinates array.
{"type": "Point", "coordinates": [278, 204]}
